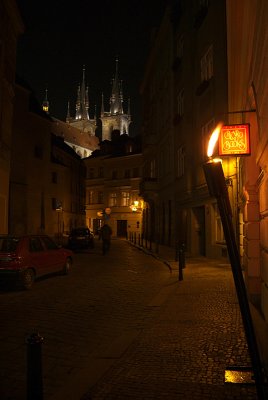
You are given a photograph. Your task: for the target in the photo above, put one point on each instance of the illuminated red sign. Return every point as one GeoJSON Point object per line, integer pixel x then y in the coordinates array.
{"type": "Point", "coordinates": [234, 140]}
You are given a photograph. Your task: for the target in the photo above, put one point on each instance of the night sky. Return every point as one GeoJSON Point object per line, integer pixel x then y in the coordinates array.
{"type": "Point", "coordinates": [62, 36]}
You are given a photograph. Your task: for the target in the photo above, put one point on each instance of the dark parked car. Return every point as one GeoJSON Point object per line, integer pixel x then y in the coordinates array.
{"type": "Point", "coordinates": [28, 257]}
{"type": "Point", "coordinates": [81, 238]}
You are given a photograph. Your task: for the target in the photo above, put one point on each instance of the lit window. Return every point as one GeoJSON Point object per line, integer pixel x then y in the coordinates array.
{"type": "Point", "coordinates": [112, 199]}
{"type": "Point", "coordinates": [207, 65]}
{"type": "Point", "coordinates": [125, 198]}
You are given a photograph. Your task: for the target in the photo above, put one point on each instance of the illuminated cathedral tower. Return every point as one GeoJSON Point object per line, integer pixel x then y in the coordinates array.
{"type": "Point", "coordinates": [82, 120]}
{"type": "Point", "coordinates": [116, 118]}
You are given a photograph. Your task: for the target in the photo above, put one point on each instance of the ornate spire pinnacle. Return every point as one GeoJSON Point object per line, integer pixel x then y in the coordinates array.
{"type": "Point", "coordinates": [82, 102]}
{"type": "Point", "coordinates": [116, 99]}
{"type": "Point", "coordinates": [86, 100]}
{"type": "Point", "coordinates": [78, 114]}
{"type": "Point", "coordinates": [45, 104]}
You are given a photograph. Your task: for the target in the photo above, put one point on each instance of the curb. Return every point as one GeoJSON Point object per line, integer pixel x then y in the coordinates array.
{"type": "Point", "coordinates": [156, 256]}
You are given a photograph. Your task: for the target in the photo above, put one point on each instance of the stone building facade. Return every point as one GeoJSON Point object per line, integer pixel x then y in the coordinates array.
{"type": "Point", "coordinates": [11, 27]}
{"type": "Point", "coordinates": [112, 186]}
{"type": "Point", "coordinates": [47, 177]}
{"type": "Point", "coordinates": [207, 64]}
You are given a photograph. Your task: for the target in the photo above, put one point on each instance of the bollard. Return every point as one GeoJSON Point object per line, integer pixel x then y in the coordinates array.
{"type": "Point", "coordinates": [34, 367]}
{"type": "Point", "coordinates": [181, 260]}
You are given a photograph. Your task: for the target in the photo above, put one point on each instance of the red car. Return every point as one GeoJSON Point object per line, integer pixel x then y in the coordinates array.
{"type": "Point", "coordinates": [28, 257]}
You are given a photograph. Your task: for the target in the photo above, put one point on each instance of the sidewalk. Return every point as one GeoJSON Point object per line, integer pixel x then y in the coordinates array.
{"type": "Point", "coordinates": [195, 337]}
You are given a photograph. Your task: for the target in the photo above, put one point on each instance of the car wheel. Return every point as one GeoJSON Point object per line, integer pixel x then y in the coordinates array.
{"type": "Point", "coordinates": [28, 278]}
{"type": "Point", "coordinates": [67, 266]}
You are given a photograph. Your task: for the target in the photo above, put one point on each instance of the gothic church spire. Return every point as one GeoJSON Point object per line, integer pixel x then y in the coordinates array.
{"type": "Point", "coordinates": [116, 100]}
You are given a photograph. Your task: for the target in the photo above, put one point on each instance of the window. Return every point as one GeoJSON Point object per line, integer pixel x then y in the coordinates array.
{"type": "Point", "coordinates": [50, 245]}
{"type": "Point", "coordinates": [112, 199]}
{"type": "Point", "coordinates": [35, 244]}
{"type": "Point", "coordinates": [207, 65]}
{"type": "Point", "coordinates": [125, 197]}
{"type": "Point", "coordinates": [114, 174]}
{"type": "Point", "coordinates": [127, 173]}
{"type": "Point", "coordinates": [135, 172]}
{"type": "Point", "coordinates": [101, 172]}
{"type": "Point", "coordinates": [204, 3]}
{"type": "Point", "coordinates": [38, 152]}
{"type": "Point", "coordinates": [100, 197]}
{"type": "Point", "coordinates": [90, 197]}
{"type": "Point", "coordinates": [90, 173]}
{"type": "Point", "coordinates": [180, 103]}
{"type": "Point", "coordinates": [56, 204]}
{"type": "Point", "coordinates": [152, 171]}
{"type": "Point", "coordinates": [129, 148]}
{"type": "Point", "coordinates": [181, 161]}
{"type": "Point", "coordinates": [54, 177]}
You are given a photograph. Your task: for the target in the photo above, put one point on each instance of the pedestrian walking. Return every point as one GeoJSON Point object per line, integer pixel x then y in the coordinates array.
{"type": "Point", "coordinates": [105, 235]}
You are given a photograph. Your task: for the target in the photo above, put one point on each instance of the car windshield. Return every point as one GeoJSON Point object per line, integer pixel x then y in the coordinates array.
{"type": "Point", "coordinates": [80, 232]}
{"type": "Point", "coordinates": [8, 244]}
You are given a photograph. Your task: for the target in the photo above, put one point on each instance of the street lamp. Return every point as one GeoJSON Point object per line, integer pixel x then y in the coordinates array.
{"type": "Point", "coordinates": [134, 206]}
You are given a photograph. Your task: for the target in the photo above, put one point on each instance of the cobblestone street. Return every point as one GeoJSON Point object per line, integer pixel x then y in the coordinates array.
{"type": "Point", "coordinates": [123, 326]}
{"type": "Point", "coordinates": [195, 335]}
{"type": "Point", "coordinates": [103, 298]}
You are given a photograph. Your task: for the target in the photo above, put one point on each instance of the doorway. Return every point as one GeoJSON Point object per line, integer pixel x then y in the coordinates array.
{"type": "Point", "coordinates": [122, 228]}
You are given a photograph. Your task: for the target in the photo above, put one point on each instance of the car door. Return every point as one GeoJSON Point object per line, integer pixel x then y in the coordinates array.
{"type": "Point", "coordinates": [54, 255]}
{"type": "Point", "coordinates": [37, 258]}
